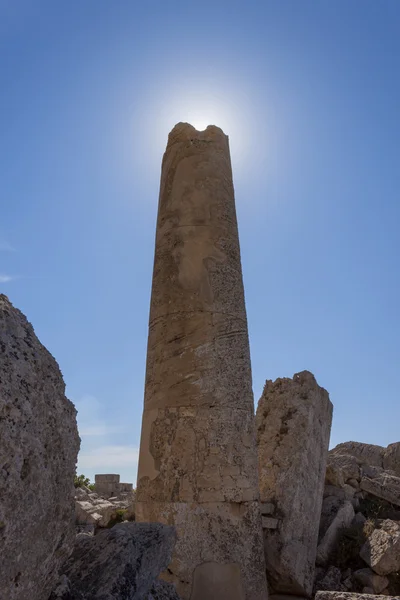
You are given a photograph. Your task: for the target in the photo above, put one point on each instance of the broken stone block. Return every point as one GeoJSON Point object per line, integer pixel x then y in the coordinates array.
{"type": "Point", "coordinates": [350, 596]}
{"type": "Point", "coordinates": [293, 425]}
{"type": "Point", "coordinates": [384, 486]}
{"type": "Point", "coordinates": [39, 444]}
{"type": "Point", "coordinates": [367, 454]}
{"type": "Point", "coordinates": [368, 578]}
{"type": "Point", "coordinates": [342, 520]}
{"type": "Point", "coordinates": [391, 458]}
{"type": "Point", "coordinates": [341, 468]}
{"type": "Point", "coordinates": [381, 551]}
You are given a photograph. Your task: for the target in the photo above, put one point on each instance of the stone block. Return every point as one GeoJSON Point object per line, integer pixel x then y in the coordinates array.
{"type": "Point", "coordinates": [350, 596]}
{"type": "Point", "coordinates": [342, 520]}
{"type": "Point", "coordinates": [368, 578]}
{"type": "Point", "coordinates": [293, 424]}
{"type": "Point", "coordinates": [381, 551]}
{"type": "Point", "coordinates": [384, 486]}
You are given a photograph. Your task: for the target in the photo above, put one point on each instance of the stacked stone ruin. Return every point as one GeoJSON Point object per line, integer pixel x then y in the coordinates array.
{"type": "Point", "coordinates": [108, 485]}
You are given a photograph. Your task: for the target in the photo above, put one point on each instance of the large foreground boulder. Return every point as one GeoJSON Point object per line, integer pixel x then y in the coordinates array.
{"type": "Point", "coordinates": [39, 444]}
{"type": "Point", "coordinates": [121, 563]}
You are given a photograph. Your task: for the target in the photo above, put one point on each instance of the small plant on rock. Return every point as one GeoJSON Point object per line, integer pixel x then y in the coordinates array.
{"type": "Point", "coordinates": [81, 480]}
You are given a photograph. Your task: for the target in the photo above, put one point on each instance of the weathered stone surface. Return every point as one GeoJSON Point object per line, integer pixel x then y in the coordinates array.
{"type": "Point", "coordinates": [343, 519]}
{"type": "Point", "coordinates": [293, 424]}
{"type": "Point", "coordinates": [38, 452]}
{"type": "Point", "coordinates": [341, 468]}
{"type": "Point", "coordinates": [330, 507]}
{"type": "Point", "coordinates": [381, 551]}
{"type": "Point", "coordinates": [370, 579]}
{"type": "Point", "coordinates": [331, 580]}
{"type": "Point", "coordinates": [367, 454]}
{"type": "Point", "coordinates": [391, 458]}
{"type": "Point", "coordinates": [384, 486]}
{"type": "Point", "coordinates": [198, 462]}
{"type": "Point", "coordinates": [162, 590]}
{"type": "Point", "coordinates": [121, 563]}
{"type": "Point", "coordinates": [349, 596]}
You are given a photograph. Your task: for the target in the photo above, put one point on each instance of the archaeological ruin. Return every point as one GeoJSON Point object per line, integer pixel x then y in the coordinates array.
{"type": "Point", "coordinates": [293, 423]}
{"type": "Point", "coordinates": [198, 461]}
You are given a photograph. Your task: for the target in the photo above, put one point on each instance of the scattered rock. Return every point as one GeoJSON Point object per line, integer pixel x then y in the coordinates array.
{"type": "Point", "coordinates": [368, 578]}
{"type": "Point", "coordinates": [342, 520]}
{"type": "Point", "coordinates": [341, 468]}
{"type": "Point", "coordinates": [381, 551]}
{"type": "Point", "coordinates": [38, 452]}
{"type": "Point", "coordinates": [367, 454]}
{"type": "Point", "coordinates": [391, 458]}
{"type": "Point", "coordinates": [348, 596]}
{"type": "Point", "coordinates": [384, 486]}
{"type": "Point", "coordinates": [331, 580]}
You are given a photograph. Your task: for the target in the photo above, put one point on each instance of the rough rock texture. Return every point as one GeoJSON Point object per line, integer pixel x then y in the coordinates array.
{"type": "Point", "coordinates": [198, 460]}
{"type": "Point", "coordinates": [382, 549]}
{"type": "Point", "coordinates": [391, 458]}
{"type": "Point", "coordinates": [350, 596]}
{"type": "Point", "coordinates": [117, 564]}
{"type": "Point", "coordinates": [368, 578]}
{"type": "Point", "coordinates": [384, 486]}
{"type": "Point", "coordinates": [367, 454]}
{"type": "Point", "coordinates": [92, 509]}
{"type": "Point", "coordinates": [162, 590]}
{"type": "Point", "coordinates": [343, 519]}
{"type": "Point", "coordinates": [38, 452]}
{"type": "Point", "coordinates": [293, 425]}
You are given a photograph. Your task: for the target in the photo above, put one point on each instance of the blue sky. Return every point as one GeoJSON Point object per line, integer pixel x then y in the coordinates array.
{"type": "Point", "coordinates": [309, 93]}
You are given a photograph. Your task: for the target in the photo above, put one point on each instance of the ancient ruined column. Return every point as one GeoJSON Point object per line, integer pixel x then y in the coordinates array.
{"type": "Point", "coordinates": [198, 461]}
{"type": "Point", "coordinates": [293, 423]}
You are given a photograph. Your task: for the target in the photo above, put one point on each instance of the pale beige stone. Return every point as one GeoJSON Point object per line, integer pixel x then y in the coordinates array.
{"type": "Point", "coordinates": [367, 454]}
{"type": "Point", "coordinates": [198, 461]}
{"type": "Point", "coordinates": [293, 427]}
{"type": "Point", "coordinates": [350, 596]}
{"type": "Point", "coordinates": [39, 444]}
{"type": "Point", "coordinates": [381, 551]}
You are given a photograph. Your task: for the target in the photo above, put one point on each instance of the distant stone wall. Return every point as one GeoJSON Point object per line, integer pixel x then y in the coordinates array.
{"type": "Point", "coordinates": [108, 485]}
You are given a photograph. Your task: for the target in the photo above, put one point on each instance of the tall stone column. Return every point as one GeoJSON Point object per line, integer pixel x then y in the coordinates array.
{"type": "Point", "coordinates": [198, 459]}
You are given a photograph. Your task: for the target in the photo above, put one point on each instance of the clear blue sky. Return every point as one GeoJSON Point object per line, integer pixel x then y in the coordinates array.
{"type": "Point", "coordinates": [309, 93]}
